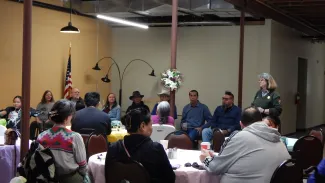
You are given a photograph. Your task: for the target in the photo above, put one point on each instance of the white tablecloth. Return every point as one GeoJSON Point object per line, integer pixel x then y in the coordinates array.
{"type": "Point", "coordinates": [7, 160]}
{"type": "Point", "coordinates": [290, 143]}
{"type": "Point", "coordinates": [183, 174]}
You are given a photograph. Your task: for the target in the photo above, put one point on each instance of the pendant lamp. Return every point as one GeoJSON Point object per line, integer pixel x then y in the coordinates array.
{"type": "Point", "coordinates": [70, 29]}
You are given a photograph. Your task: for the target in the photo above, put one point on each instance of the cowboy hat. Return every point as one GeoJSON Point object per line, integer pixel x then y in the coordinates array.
{"type": "Point", "coordinates": [136, 94]}
{"type": "Point", "coordinates": [164, 91]}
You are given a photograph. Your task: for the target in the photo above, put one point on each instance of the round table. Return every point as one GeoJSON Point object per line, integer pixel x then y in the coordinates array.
{"type": "Point", "coordinates": [96, 166]}
{"type": "Point", "coordinates": [116, 135]}
{"type": "Point", "coordinates": [7, 160]}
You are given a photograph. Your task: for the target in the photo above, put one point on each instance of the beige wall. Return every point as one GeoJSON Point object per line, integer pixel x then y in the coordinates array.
{"type": "Point", "coordinates": [207, 56]}
{"type": "Point", "coordinates": [50, 53]}
{"type": "Point", "coordinates": [286, 47]}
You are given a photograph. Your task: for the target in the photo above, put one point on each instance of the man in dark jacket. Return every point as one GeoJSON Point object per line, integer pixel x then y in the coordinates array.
{"type": "Point", "coordinates": [90, 117]}
{"type": "Point", "coordinates": [137, 102]}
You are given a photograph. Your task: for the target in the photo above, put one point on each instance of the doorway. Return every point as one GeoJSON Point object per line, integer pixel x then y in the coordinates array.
{"type": "Point", "coordinates": [302, 90]}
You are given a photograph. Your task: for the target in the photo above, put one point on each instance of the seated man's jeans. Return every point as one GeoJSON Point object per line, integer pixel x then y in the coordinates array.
{"type": "Point", "coordinates": [207, 135]}
{"type": "Point", "coordinates": [193, 133]}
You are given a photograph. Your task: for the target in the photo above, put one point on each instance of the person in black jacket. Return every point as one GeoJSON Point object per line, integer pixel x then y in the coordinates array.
{"type": "Point", "coordinates": [91, 117]}
{"type": "Point", "coordinates": [137, 102]}
{"type": "Point", "coordinates": [141, 148]}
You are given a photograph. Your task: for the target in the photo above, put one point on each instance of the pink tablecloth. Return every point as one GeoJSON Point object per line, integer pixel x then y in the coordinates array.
{"type": "Point", "coordinates": [183, 174]}
{"type": "Point", "coordinates": [7, 160]}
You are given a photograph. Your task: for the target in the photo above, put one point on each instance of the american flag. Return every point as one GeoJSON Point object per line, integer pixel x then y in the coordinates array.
{"type": "Point", "coordinates": [68, 79]}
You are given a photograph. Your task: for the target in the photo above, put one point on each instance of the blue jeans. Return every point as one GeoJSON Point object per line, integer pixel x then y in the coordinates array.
{"type": "Point", "coordinates": [207, 134]}
{"type": "Point", "coordinates": [192, 133]}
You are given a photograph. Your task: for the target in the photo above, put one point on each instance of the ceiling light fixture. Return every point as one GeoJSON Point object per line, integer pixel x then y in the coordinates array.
{"type": "Point", "coordinates": [121, 21]}
{"type": "Point", "coordinates": [70, 29]}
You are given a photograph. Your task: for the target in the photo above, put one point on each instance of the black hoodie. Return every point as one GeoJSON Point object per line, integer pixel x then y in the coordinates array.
{"type": "Point", "coordinates": [143, 150]}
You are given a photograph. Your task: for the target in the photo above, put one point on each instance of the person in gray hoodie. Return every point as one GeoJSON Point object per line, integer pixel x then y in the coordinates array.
{"type": "Point", "coordinates": [248, 156]}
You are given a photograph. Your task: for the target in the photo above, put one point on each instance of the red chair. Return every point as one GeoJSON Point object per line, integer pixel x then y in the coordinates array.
{"type": "Point", "coordinates": [179, 139]}
{"type": "Point", "coordinates": [85, 134]}
{"type": "Point", "coordinates": [96, 143]}
{"type": "Point", "coordinates": [318, 134]}
{"type": "Point", "coordinates": [287, 172]}
{"type": "Point", "coordinates": [308, 152]}
{"type": "Point", "coordinates": [218, 140]}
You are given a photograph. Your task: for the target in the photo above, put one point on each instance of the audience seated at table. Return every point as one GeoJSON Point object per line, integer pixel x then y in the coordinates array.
{"type": "Point", "coordinates": [137, 102]}
{"type": "Point", "coordinates": [67, 146]}
{"type": "Point", "coordinates": [162, 117]}
{"type": "Point", "coordinates": [139, 147]}
{"type": "Point", "coordinates": [75, 97]}
{"type": "Point", "coordinates": [319, 176]}
{"type": "Point", "coordinates": [250, 155]}
{"type": "Point", "coordinates": [112, 108]}
{"type": "Point", "coordinates": [91, 117]}
{"type": "Point", "coordinates": [194, 116]}
{"type": "Point", "coordinates": [164, 95]}
{"type": "Point", "coordinates": [225, 118]}
{"type": "Point", "coordinates": [12, 114]}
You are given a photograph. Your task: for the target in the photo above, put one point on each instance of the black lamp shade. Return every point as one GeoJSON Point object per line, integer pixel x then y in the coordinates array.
{"type": "Point", "coordinates": [97, 68]}
{"type": "Point", "coordinates": [70, 29]}
{"type": "Point", "coordinates": [152, 73]}
{"type": "Point", "coordinates": [105, 79]}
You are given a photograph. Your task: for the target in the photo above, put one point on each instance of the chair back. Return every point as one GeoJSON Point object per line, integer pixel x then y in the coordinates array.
{"type": "Point", "coordinates": [160, 132]}
{"type": "Point", "coordinates": [130, 171]}
{"type": "Point", "coordinates": [85, 134]}
{"type": "Point", "coordinates": [308, 151]}
{"type": "Point", "coordinates": [287, 172]}
{"type": "Point", "coordinates": [218, 140]}
{"type": "Point", "coordinates": [318, 134]}
{"type": "Point", "coordinates": [2, 130]}
{"type": "Point", "coordinates": [86, 131]}
{"type": "Point", "coordinates": [96, 143]}
{"type": "Point", "coordinates": [179, 139]}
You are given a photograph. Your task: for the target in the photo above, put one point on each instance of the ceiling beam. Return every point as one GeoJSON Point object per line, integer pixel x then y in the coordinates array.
{"type": "Point", "coordinates": [260, 8]}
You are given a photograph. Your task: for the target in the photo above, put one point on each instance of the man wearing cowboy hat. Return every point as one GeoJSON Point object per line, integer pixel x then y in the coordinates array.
{"type": "Point", "coordinates": [164, 96]}
{"type": "Point", "coordinates": [137, 102]}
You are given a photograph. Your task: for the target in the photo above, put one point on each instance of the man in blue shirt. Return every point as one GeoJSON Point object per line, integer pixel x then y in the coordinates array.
{"type": "Point", "coordinates": [226, 118]}
{"type": "Point", "coordinates": [194, 116]}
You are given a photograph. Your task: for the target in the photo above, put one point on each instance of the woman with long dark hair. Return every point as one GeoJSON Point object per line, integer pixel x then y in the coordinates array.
{"type": "Point", "coordinates": [139, 147]}
{"type": "Point", "coordinates": [162, 117]}
{"type": "Point", "coordinates": [112, 108]}
{"type": "Point", "coordinates": [44, 107]}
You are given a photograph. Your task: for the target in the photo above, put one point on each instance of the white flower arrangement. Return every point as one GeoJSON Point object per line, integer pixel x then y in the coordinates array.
{"type": "Point", "coordinates": [172, 79]}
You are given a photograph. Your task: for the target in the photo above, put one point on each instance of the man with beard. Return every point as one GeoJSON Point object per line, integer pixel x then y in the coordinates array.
{"type": "Point", "coordinates": [225, 118]}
